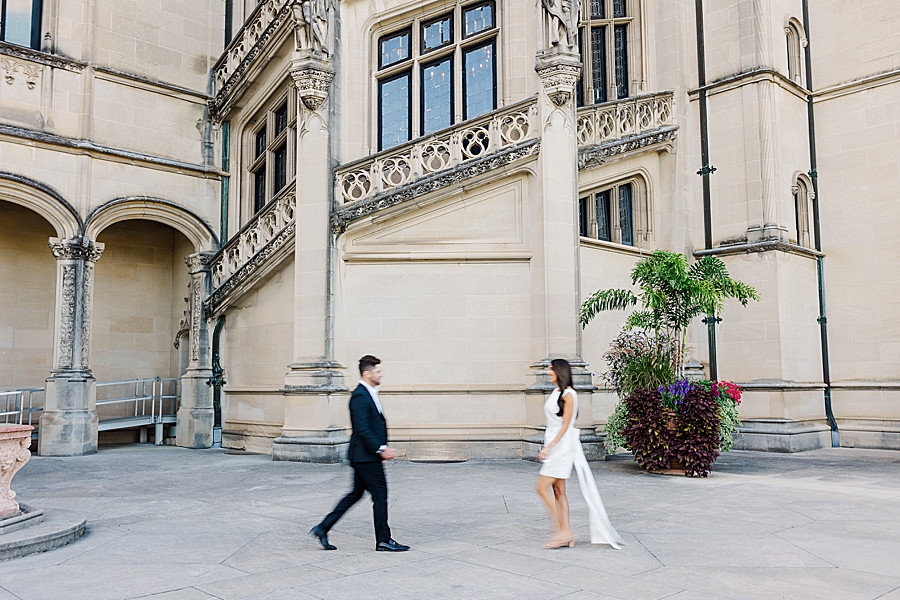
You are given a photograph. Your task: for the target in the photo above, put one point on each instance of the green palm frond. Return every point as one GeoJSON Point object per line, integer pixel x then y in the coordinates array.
{"type": "Point", "coordinates": [602, 300]}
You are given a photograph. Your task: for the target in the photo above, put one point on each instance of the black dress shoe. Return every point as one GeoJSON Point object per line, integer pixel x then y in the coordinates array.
{"type": "Point", "coordinates": [322, 536]}
{"type": "Point", "coordinates": [390, 546]}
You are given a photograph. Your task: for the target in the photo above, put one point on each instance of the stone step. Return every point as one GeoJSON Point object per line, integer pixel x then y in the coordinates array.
{"type": "Point", "coordinates": [57, 528]}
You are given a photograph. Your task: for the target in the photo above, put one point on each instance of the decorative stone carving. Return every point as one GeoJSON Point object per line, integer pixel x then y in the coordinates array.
{"type": "Point", "coordinates": [594, 156]}
{"type": "Point", "coordinates": [561, 19]}
{"type": "Point", "coordinates": [559, 75]}
{"type": "Point", "coordinates": [75, 249]}
{"type": "Point", "coordinates": [14, 453]}
{"type": "Point", "coordinates": [86, 316]}
{"type": "Point", "coordinates": [312, 19]}
{"type": "Point", "coordinates": [67, 318]}
{"type": "Point", "coordinates": [313, 80]}
{"type": "Point", "coordinates": [358, 210]}
{"type": "Point", "coordinates": [196, 317]}
{"type": "Point", "coordinates": [10, 67]}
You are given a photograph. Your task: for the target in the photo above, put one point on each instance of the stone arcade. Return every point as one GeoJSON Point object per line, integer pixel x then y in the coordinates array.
{"type": "Point", "coordinates": [278, 188]}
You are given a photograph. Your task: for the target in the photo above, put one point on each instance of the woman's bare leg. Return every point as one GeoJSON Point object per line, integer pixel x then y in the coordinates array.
{"type": "Point", "coordinates": [562, 507]}
{"type": "Point", "coordinates": [544, 484]}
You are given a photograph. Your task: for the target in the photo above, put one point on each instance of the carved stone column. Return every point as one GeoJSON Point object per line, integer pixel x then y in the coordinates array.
{"type": "Point", "coordinates": [194, 428]}
{"type": "Point", "coordinates": [314, 389]}
{"type": "Point", "coordinates": [556, 262]}
{"type": "Point", "coordinates": [69, 418]}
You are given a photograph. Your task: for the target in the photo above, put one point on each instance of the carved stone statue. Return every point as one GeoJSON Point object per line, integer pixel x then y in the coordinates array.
{"type": "Point", "coordinates": [562, 18]}
{"type": "Point", "coordinates": [311, 26]}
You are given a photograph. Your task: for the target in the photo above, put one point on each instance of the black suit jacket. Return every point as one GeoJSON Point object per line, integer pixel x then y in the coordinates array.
{"type": "Point", "coordinates": [369, 427]}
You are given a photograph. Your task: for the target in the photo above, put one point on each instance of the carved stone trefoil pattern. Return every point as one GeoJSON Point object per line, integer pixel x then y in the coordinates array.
{"type": "Point", "coordinates": [431, 155]}
{"type": "Point", "coordinates": [341, 218]}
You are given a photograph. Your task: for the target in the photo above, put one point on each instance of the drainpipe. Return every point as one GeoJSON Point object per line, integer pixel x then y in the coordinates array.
{"type": "Point", "coordinates": [217, 381]}
{"type": "Point", "coordinates": [820, 260]}
{"type": "Point", "coordinates": [705, 171]}
{"type": "Point", "coordinates": [226, 167]}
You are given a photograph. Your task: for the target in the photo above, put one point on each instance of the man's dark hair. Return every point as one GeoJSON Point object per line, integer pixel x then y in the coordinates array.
{"type": "Point", "coordinates": [368, 363]}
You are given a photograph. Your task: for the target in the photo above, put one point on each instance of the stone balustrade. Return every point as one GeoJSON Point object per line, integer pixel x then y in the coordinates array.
{"type": "Point", "coordinates": [601, 123]}
{"type": "Point", "coordinates": [245, 47]}
{"type": "Point", "coordinates": [268, 231]}
{"type": "Point", "coordinates": [442, 151]}
{"type": "Point", "coordinates": [14, 453]}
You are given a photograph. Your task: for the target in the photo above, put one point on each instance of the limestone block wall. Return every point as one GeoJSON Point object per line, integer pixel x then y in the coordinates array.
{"type": "Point", "coordinates": [140, 285]}
{"type": "Point", "coordinates": [27, 295]}
{"type": "Point", "coordinates": [257, 347]}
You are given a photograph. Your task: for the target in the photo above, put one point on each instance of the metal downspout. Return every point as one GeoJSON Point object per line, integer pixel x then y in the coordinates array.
{"type": "Point", "coordinates": [820, 260]}
{"type": "Point", "coordinates": [705, 171]}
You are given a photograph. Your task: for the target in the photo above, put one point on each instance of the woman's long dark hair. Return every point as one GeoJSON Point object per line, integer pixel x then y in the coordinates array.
{"type": "Point", "coordinates": [563, 371]}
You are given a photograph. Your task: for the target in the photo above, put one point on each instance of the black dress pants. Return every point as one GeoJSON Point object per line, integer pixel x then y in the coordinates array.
{"type": "Point", "coordinates": [367, 477]}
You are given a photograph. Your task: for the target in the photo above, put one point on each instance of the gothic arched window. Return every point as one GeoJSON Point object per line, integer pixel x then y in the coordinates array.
{"type": "Point", "coordinates": [803, 199]}
{"type": "Point", "coordinates": [796, 41]}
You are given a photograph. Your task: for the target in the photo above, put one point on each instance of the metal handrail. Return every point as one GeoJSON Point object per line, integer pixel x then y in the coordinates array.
{"type": "Point", "coordinates": [17, 398]}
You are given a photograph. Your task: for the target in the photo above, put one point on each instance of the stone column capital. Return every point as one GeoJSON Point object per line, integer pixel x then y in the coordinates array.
{"type": "Point", "coordinates": [559, 72]}
{"type": "Point", "coordinates": [312, 76]}
{"type": "Point", "coordinates": [76, 248]}
{"type": "Point", "coordinates": [198, 262]}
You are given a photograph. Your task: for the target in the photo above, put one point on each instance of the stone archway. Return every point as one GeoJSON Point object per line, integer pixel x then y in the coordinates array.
{"type": "Point", "coordinates": [27, 297]}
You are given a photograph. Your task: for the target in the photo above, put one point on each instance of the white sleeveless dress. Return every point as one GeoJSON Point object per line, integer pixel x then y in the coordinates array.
{"type": "Point", "coordinates": [567, 454]}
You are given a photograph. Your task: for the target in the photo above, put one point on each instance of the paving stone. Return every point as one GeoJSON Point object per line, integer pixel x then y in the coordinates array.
{"type": "Point", "coordinates": [174, 524]}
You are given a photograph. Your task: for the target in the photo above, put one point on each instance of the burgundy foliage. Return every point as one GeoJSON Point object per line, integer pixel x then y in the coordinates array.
{"type": "Point", "coordinates": [691, 434]}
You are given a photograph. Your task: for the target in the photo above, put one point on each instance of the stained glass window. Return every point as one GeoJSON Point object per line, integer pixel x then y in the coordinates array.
{"type": "Point", "coordinates": [21, 23]}
{"type": "Point", "coordinates": [478, 19]}
{"type": "Point", "coordinates": [437, 34]}
{"type": "Point", "coordinates": [394, 106]}
{"type": "Point", "coordinates": [621, 50]}
{"type": "Point", "coordinates": [437, 96]}
{"type": "Point", "coordinates": [626, 218]}
{"type": "Point", "coordinates": [394, 49]}
{"type": "Point", "coordinates": [598, 57]}
{"type": "Point", "coordinates": [604, 231]}
{"type": "Point", "coordinates": [618, 8]}
{"type": "Point", "coordinates": [479, 81]}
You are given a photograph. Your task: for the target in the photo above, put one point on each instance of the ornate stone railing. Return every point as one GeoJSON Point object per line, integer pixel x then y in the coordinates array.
{"type": "Point", "coordinates": [267, 232]}
{"type": "Point", "coordinates": [624, 125]}
{"type": "Point", "coordinates": [443, 151]}
{"type": "Point", "coordinates": [616, 120]}
{"type": "Point", "coordinates": [246, 46]}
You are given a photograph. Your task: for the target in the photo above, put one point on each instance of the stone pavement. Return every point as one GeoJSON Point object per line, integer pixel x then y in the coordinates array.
{"type": "Point", "coordinates": [173, 524]}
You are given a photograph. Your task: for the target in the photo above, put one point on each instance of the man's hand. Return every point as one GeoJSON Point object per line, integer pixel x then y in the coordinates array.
{"type": "Point", "coordinates": [388, 454]}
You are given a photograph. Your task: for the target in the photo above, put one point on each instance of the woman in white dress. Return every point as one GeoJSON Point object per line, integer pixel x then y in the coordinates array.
{"type": "Point", "coordinates": [561, 453]}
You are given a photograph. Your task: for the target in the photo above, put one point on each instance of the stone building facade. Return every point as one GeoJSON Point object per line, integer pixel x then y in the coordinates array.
{"type": "Point", "coordinates": [258, 194]}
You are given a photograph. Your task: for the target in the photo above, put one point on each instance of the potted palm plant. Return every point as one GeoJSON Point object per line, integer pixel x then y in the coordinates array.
{"type": "Point", "coordinates": [661, 416]}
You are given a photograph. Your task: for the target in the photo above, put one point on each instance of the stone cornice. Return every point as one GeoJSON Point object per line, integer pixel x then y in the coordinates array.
{"type": "Point", "coordinates": [593, 156]}
{"type": "Point", "coordinates": [106, 152]}
{"type": "Point", "coordinates": [44, 58]}
{"type": "Point", "coordinates": [857, 85]}
{"type": "Point", "coordinates": [760, 246]}
{"type": "Point", "coordinates": [757, 75]}
{"type": "Point", "coordinates": [346, 214]}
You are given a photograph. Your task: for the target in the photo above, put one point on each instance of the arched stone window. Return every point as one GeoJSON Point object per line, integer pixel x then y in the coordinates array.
{"type": "Point", "coordinates": [803, 199]}
{"type": "Point", "coordinates": [796, 41]}
{"type": "Point", "coordinates": [617, 213]}
{"type": "Point", "coordinates": [609, 41]}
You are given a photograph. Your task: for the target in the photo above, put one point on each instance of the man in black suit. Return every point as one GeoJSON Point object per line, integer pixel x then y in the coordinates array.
{"type": "Point", "coordinates": [368, 450]}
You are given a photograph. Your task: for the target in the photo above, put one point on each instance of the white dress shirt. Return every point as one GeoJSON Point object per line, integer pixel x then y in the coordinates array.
{"type": "Point", "coordinates": [374, 392]}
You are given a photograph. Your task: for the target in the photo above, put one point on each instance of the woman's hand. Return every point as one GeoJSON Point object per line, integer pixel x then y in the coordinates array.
{"type": "Point", "coordinates": [543, 453]}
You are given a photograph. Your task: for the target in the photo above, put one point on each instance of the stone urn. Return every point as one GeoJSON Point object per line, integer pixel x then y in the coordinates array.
{"type": "Point", "coordinates": [14, 453]}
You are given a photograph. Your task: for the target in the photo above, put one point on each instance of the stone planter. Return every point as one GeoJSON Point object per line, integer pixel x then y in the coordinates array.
{"type": "Point", "coordinates": [14, 453]}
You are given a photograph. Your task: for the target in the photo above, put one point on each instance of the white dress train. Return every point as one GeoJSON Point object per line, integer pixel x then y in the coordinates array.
{"type": "Point", "coordinates": [567, 454]}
